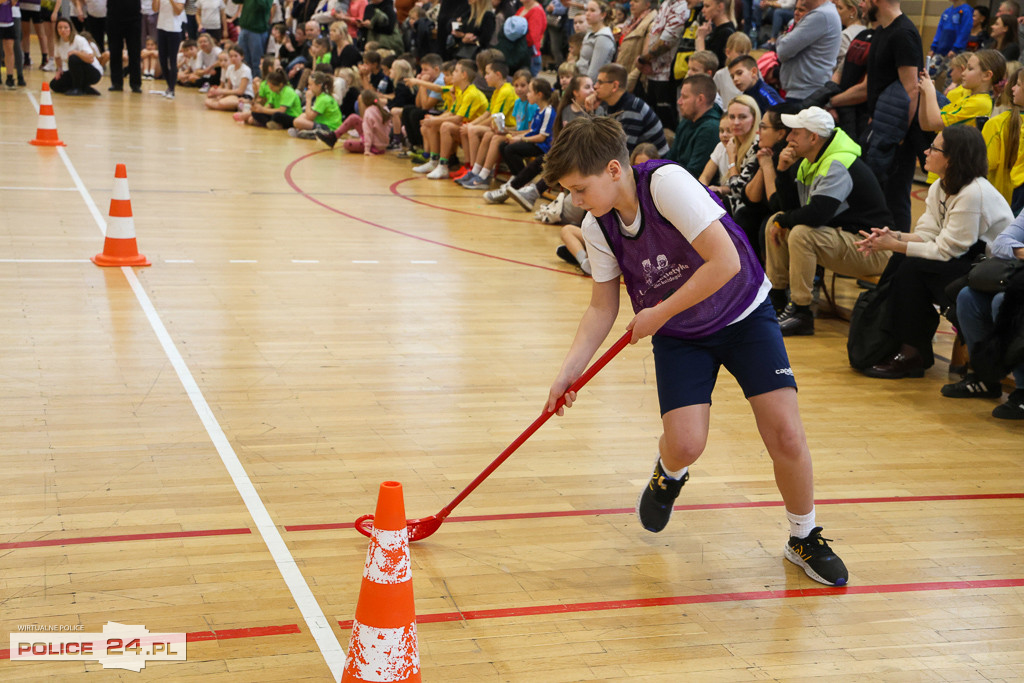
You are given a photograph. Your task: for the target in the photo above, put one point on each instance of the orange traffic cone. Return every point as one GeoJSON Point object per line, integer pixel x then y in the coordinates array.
{"type": "Point", "coordinates": [119, 248]}
{"type": "Point", "coordinates": [383, 644]}
{"type": "Point", "coordinates": [46, 132]}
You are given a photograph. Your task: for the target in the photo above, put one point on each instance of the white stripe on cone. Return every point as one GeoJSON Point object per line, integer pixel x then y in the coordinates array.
{"type": "Point", "coordinates": [47, 123]}
{"type": "Point", "coordinates": [383, 654]}
{"type": "Point", "coordinates": [120, 189]}
{"type": "Point", "coordinates": [387, 559]}
{"type": "Point", "coordinates": [119, 228]}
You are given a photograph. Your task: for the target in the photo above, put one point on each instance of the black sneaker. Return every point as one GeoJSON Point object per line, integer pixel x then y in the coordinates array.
{"type": "Point", "coordinates": [1013, 409]}
{"type": "Point", "coordinates": [654, 506]}
{"type": "Point", "coordinates": [817, 559]}
{"type": "Point", "coordinates": [795, 321]}
{"type": "Point", "coordinates": [971, 387]}
{"type": "Point", "coordinates": [563, 253]}
{"type": "Point", "coordinates": [327, 137]}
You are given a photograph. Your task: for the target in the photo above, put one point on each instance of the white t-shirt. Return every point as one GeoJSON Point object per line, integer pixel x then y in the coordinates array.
{"type": "Point", "coordinates": [167, 20]}
{"type": "Point", "coordinates": [205, 60]}
{"type": "Point", "coordinates": [79, 44]}
{"type": "Point", "coordinates": [233, 77]}
{"type": "Point", "coordinates": [96, 8]}
{"type": "Point", "coordinates": [684, 202]}
{"type": "Point", "coordinates": [209, 13]}
{"type": "Point", "coordinates": [721, 159]}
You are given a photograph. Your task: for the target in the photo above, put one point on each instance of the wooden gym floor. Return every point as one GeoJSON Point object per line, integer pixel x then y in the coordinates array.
{"type": "Point", "coordinates": [328, 322]}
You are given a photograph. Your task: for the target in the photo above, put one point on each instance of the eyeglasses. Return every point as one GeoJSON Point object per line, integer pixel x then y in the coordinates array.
{"type": "Point", "coordinates": [933, 148]}
{"type": "Point", "coordinates": [600, 82]}
{"type": "Point", "coordinates": [766, 126]}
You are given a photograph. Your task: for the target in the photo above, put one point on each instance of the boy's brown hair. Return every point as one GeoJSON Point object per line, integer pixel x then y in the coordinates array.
{"type": "Point", "coordinates": [707, 59]}
{"type": "Point", "coordinates": [585, 146]}
{"type": "Point", "coordinates": [469, 66]}
{"type": "Point", "coordinates": [747, 61]}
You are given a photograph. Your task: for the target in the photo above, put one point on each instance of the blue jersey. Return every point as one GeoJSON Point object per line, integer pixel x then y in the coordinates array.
{"type": "Point", "coordinates": [543, 122]}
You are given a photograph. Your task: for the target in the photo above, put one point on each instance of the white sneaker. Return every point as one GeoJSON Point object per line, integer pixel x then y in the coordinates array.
{"type": "Point", "coordinates": [427, 167]}
{"type": "Point", "coordinates": [441, 171]}
{"type": "Point", "coordinates": [293, 132]}
{"type": "Point", "coordinates": [169, 94]}
{"type": "Point", "coordinates": [499, 195]}
{"type": "Point", "coordinates": [205, 87]}
{"type": "Point", "coordinates": [525, 196]}
{"type": "Point", "coordinates": [49, 66]}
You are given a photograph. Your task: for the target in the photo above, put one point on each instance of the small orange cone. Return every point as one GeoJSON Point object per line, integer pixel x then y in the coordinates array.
{"type": "Point", "coordinates": [46, 132]}
{"type": "Point", "coordinates": [119, 248]}
{"type": "Point", "coordinates": [383, 645]}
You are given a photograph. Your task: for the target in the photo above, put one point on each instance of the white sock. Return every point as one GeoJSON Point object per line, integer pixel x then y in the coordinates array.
{"type": "Point", "coordinates": [800, 526]}
{"type": "Point", "coordinates": [585, 267]}
{"type": "Point", "coordinates": [476, 169]}
{"type": "Point", "coordinates": [484, 174]}
{"type": "Point", "coordinates": [677, 474]}
{"type": "Point", "coordinates": [581, 256]}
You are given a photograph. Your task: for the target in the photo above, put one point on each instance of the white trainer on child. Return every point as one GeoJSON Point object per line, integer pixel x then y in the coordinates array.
{"type": "Point", "coordinates": [427, 167]}
{"type": "Point", "coordinates": [441, 171]}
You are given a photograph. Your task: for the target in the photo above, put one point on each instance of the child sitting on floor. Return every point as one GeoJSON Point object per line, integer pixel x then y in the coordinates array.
{"type": "Point", "coordinates": [371, 126]}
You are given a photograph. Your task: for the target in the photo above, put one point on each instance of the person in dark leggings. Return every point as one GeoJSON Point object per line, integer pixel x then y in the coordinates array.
{"type": "Point", "coordinates": [169, 22]}
{"type": "Point", "coordinates": [78, 72]}
{"type": "Point", "coordinates": [124, 31]}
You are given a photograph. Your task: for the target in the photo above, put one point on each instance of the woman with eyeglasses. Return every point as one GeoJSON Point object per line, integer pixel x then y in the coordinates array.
{"type": "Point", "coordinates": [963, 214]}
{"type": "Point", "coordinates": [756, 201]}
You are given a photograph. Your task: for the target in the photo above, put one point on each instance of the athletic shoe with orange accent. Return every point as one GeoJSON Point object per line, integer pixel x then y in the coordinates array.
{"type": "Point", "coordinates": [817, 559]}
{"type": "Point", "coordinates": [654, 505]}
{"type": "Point", "coordinates": [459, 172]}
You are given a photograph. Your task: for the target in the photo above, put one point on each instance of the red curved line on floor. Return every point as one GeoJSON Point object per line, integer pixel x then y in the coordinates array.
{"type": "Point", "coordinates": [291, 182]}
{"type": "Point", "coordinates": [394, 191]}
{"type": "Point", "coordinates": [920, 194]}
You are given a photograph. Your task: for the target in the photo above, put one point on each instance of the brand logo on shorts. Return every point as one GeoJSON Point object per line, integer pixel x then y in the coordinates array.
{"type": "Point", "coordinates": [784, 371]}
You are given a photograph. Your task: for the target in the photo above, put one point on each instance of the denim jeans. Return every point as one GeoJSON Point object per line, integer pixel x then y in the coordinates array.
{"type": "Point", "coordinates": [253, 46]}
{"type": "Point", "coordinates": [976, 312]}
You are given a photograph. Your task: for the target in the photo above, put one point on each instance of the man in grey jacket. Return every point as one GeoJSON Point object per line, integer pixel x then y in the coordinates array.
{"type": "Point", "coordinates": [808, 53]}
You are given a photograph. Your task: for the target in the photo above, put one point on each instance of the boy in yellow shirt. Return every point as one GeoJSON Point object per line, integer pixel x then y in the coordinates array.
{"type": "Point", "coordinates": [503, 102]}
{"type": "Point", "coordinates": [469, 104]}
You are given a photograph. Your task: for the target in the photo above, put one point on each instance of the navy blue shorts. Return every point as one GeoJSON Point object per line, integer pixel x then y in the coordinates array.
{"type": "Point", "coordinates": [752, 350]}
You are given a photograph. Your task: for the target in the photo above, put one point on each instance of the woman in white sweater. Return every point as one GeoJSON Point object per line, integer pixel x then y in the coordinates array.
{"type": "Point", "coordinates": [598, 46]}
{"type": "Point", "coordinates": [78, 63]}
{"type": "Point", "coordinates": [963, 214]}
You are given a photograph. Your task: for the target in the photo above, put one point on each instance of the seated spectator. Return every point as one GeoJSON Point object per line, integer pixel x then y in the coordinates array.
{"type": "Point", "coordinates": [637, 118]}
{"type": "Point", "coordinates": [598, 46]}
{"type": "Point", "coordinates": [478, 133]}
{"type": "Point", "coordinates": [975, 313]}
{"type": "Point", "coordinates": [517, 147]}
{"type": "Point", "coordinates": [978, 38]}
{"type": "Point", "coordinates": [744, 116]}
{"type": "Point", "coordinates": [321, 110]}
{"type": "Point", "coordinates": [429, 85]}
{"type": "Point", "coordinates": [487, 152]}
{"type": "Point", "coordinates": [715, 170]}
{"type": "Point", "coordinates": [697, 133]}
{"type": "Point", "coordinates": [236, 83]}
{"type": "Point", "coordinates": [752, 207]}
{"type": "Point", "coordinates": [968, 102]}
{"type": "Point", "coordinates": [963, 214]}
{"type": "Point", "coordinates": [737, 46]}
{"type": "Point", "coordinates": [371, 71]}
{"type": "Point", "coordinates": [401, 71]}
{"type": "Point", "coordinates": [1004, 37]}
{"type": "Point", "coordinates": [1003, 140]}
{"type": "Point", "coordinates": [746, 77]}
{"type": "Point", "coordinates": [957, 66]}
{"type": "Point", "coordinates": [279, 105]}
{"type": "Point", "coordinates": [469, 104]}
{"type": "Point", "coordinates": [832, 196]}
{"type": "Point", "coordinates": [342, 53]}
{"type": "Point", "coordinates": [371, 126]}
{"type": "Point", "coordinates": [703, 62]}
{"type": "Point", "coordinates": [953, 30]}
{"type": "Point", "coordinates": [808, 53]}
{"type": "Point", "coordinates": [204, 66]}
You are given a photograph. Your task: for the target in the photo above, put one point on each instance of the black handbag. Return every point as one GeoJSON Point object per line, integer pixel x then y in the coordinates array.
{"type": "Point", "coordinates": [991, 275]}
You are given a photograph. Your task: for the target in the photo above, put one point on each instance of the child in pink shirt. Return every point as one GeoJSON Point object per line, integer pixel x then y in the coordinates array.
{"type": "Point", "coordinates": [373, 127]}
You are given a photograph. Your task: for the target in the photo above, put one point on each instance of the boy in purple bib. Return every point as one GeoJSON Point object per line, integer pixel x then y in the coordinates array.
{"type": "Point", "coordinates": [698, 291]}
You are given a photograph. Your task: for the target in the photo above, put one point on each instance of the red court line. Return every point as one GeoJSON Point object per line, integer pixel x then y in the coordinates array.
{"type": "Point", "coordinates": [705, 506]}
{"type": "Point", "coordinates": [577, 607]}
{"type": "Point", "coordinates": [124, 537]}
{"type": "Point", "coordinates": [225, 634]}
{"type": "Point", "coordinates": [291, 182]}
{"type": "Point", "coordinates": [394, 191]}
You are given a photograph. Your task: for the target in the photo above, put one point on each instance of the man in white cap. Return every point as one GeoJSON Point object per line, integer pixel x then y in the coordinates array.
{"type": "Point", "coordinates": [831, 197]}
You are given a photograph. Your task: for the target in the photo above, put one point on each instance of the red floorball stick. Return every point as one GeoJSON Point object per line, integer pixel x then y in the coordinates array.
{"type": "Point", "coordinates": [421, 528]}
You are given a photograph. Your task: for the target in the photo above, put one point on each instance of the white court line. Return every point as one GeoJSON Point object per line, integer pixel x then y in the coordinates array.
{"type": "Point", "coordinates": [175, 149]}
{"type": "Point", "coordinates": [178, 260]}
{"type": "Point", "coordinates": [13, 188]}
{"type": "Point", "coordinates": [422, 261]}
{"type": "Point", "coordinates": [44, 260]}
{"type": "Point", "coordinates": [319, 626]}
{"type": "Point", "coordinates": [298, 260]}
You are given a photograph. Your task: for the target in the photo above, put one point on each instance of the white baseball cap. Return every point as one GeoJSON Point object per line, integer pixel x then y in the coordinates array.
{"type": "Point", "coordinates": [814, 119]}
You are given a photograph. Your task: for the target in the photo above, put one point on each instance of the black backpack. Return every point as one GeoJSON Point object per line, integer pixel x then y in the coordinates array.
{"type": "Point", "coordinates": [869, 342]}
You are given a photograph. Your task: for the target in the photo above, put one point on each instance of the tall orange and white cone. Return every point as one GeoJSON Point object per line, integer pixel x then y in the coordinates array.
{"type": "Point", "coordinates": [46, 131]}
{"type": "Point", "coordinates": [383, 645]}
{"type": "Point", "coordinates": [119, 248]}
